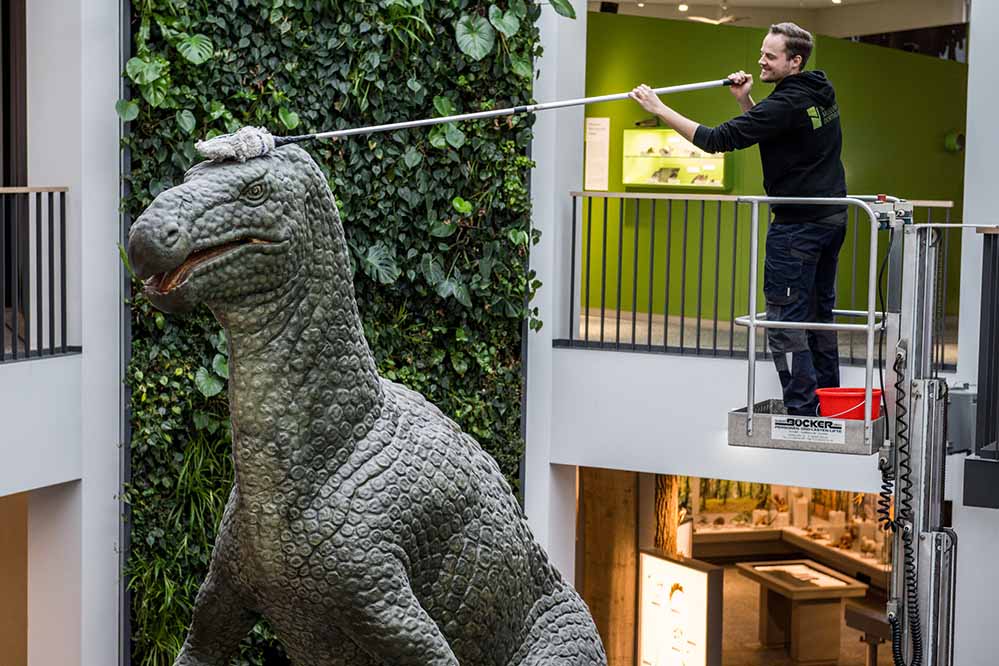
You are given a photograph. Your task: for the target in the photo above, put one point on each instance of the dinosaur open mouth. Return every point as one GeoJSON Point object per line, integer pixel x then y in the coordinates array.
{"type": "Point", "coordinates": [169, 280]}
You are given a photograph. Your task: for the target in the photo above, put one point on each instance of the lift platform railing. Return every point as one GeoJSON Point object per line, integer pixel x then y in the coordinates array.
{"type": "Point", "coordinates": [757, 320]}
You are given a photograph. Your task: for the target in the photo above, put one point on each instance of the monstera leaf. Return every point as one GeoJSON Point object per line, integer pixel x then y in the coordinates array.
{"type": "Point", "coordinates": [380, 265]}
{"type": "Point", "coordinates": [196, 48]}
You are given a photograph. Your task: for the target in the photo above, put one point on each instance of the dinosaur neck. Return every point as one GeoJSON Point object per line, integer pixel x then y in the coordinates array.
{"type": "Point", "coordinates": [303, 387]}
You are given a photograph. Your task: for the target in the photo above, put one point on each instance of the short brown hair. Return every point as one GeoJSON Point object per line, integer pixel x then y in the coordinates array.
{"type": "Point", "coordinates": [797, 40]}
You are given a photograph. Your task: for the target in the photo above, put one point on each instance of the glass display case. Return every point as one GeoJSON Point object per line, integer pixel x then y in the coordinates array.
{"type": "Point", "coordinates": [663, 158]}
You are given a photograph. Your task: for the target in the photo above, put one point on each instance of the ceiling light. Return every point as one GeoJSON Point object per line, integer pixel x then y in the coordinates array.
{"type": "Point", "coordinates": [683, 7]}
{"type": "Point", "coordinates": [837, 2]}
{"type": "Point", "coordinates": [641, 4]}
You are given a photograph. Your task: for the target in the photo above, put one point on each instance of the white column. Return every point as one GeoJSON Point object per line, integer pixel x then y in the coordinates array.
{"type": "Point", "coordinates": [54, 576]}
{"type": "Point", "coordinates": [73, 140]}
{"type": "Point", "coordinates": [976, 641]}
{"type": "Point", "coordinates": [550, 500]}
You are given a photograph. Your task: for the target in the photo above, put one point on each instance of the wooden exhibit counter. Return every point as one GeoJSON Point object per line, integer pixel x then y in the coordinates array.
{"type": "Point", "coordinates": [736, 544]}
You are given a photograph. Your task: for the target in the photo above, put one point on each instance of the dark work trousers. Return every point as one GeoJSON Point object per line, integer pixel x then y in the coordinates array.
{"type": "Point", "coordinates": [799, 282]}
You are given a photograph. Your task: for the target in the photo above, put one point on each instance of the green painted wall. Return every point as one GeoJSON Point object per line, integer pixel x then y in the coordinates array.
{"type": "Point", "coordinates": [896, 109]}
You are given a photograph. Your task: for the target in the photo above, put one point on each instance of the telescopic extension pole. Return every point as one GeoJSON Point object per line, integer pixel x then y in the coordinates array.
{"type": "Point", "coordinates": [514, 110]}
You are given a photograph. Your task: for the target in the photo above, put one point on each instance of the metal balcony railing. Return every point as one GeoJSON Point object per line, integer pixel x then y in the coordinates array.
{"type": "Point", "coordinates": [667, 273]}
{"type": "Point", "coordinates": [33, 273]}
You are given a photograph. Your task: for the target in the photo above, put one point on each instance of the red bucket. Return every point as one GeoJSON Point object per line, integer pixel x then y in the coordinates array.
{"type": "Point", "coordinates": [847, 403]}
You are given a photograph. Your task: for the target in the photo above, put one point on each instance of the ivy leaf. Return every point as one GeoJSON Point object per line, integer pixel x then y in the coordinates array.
{"type": "Point", "coordinates": [487, 261]}
{"type": "Point", "coordinates": [437, 137]}
{"type": "Point", "coordinates": [143, 71]}
{"type": "Point", "coordinates": [209, 384]}
{"type": "Point", "coordinates": [414, 85]}
{"type": "Point", "coordinates": [475, 36]}
{"type": "Point", "coordinates": [185, 120]}
{"type": "Point", "coordinates": [442, 229]}
{"type": "Point", "coordinates": [518, 9]}
{"type": "Point", "coordinates": [200, 420]}
{"type": "Point", "coordinates": [127, 109]}
{"type": "Point", "coordinates": [518, 236]}
{"type": "Point", "coordinates": [507, 23]}
{"type": "Point", "coordinates": [445, 288]}
{"type": "Point", "coordinates": [289, 118]}
{"type": "Point", "coordinates": [454, 136]}
{"type": "Point", "coordinates": [215, 110]}
{"type": "Point", "coordinates": [412, 157]}
{"type": "Point", "coordinates": [432, 270]}
{"type": "Point", "coordinates": [196, 48]}
{"type": "Point", "coordinates": [444, 106]}
{"type": "Point", "coordinates": [521, 66]}
{"type": "Point", "coordinates": [563, 7]}
{"type": "Point", "coordinates": [461, 294]}
{"type": "Point", "coordinates": [462, 206]}
{"type": "Point", "coordinates": [380, 265]}
{"type": "Point", "coordinates": [221, 366]}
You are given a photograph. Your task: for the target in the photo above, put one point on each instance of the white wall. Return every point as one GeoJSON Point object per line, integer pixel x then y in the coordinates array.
{"type": "Point", "coordinates": [888, 16]}
{"type": "Point", "coordinates": [550, 499]}
{"type": "Point", "coordinates": [73, 139]}
{"type": "Point", "coordinates": [847, 20]}
{"type": "Point", "coordinates": [55, 577]}
{"type": "Point", "coordinates": [976, 641]}
{"type": "Point", "coordinates": [40, 413]}
{"type": "Point", "coordinates": [668, 415]}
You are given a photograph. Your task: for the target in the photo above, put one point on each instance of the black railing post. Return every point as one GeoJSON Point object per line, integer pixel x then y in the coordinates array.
{"type": "Point", "coordinates": [652, 267]}
{"type": "Point", "coordinates": [15, 274]}
{"type": "Point", "coordinates": [735, 244]}
{"type": "Point", "coordinates": [603, 273]}
{"type": "Point", "coordinates": [38, 272]}
{"type": "Point", "coordinates": [683, 273]}
{"type": "Point", "coordinates": [700, 277]}
{"type": "Point", "coordinates": [62, 264]}
{"type": "Point", "coordinates": [634, 276]}
{"type": "Point", "coordinates": [51, 201]}
{"type": "Point", "coordinates": [620, 248]}
{"type": "Point", "coordinates": [3, 277]}
{"type": "Point", "coordinates": [714, 334]}
{"type": "Point", "coordinates": [669, 267]}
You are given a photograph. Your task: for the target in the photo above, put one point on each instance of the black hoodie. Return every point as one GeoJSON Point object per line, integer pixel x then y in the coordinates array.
{"type": "Point", "coordinates": [799, 134]}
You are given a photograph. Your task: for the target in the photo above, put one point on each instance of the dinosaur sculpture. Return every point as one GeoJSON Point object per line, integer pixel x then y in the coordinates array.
{"type": "Point", "coordinates": [363, 523]}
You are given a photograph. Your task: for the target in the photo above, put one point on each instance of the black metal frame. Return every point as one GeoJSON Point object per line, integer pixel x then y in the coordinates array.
{"type": "Point", "coordinates": [987, 426]}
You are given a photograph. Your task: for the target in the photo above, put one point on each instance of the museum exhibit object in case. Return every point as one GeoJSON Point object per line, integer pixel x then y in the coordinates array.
{"type": "Point", "coordinates": [663, 158]}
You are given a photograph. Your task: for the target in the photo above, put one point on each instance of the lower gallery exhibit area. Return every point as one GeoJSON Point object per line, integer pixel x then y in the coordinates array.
{"type": "Point", "coordinates": [685, 571]}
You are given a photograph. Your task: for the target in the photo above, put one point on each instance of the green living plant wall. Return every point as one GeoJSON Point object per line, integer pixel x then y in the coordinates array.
{"type": "Point", "coordinates": [897, 107]}
{"type": "Point", "coordinates": [437, 221]}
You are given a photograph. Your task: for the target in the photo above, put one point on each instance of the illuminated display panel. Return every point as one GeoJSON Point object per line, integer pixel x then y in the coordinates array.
{"type": "Point", "coordinates": [679, 621]}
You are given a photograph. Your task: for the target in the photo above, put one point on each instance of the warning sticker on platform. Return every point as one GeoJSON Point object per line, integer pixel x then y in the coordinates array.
{"type": "Point", "coordinates": [806, 429]}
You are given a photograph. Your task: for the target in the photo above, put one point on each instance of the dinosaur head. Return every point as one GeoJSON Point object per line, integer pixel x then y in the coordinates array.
{"type": "Point", "coordinates": [233, 232]}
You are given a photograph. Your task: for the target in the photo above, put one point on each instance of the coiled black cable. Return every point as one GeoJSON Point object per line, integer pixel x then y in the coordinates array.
{"type": "Point", "coordinates": [887, 474]}
{"type": "Point", "coordinates": [904, 522]}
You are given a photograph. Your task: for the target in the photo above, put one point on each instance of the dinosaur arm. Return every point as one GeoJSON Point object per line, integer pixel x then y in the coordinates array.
{"type": "Point", "coordinates": [391, 624]}
{"type": "Point", "coordinates": [221, 620]}
{"type": "Point", "coordinates": [222, 616]}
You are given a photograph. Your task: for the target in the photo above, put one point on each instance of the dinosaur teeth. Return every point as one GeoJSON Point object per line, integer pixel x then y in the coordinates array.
{"type": "Point", "coordinates": [169, 280]}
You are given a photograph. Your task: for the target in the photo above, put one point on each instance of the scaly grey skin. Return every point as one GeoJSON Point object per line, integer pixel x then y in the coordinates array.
{"type": "Point", "coordinates": [363, 523]}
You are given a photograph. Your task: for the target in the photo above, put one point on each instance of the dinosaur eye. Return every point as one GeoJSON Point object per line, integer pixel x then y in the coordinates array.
{"type": "Point", "coordinates": [255, 193]}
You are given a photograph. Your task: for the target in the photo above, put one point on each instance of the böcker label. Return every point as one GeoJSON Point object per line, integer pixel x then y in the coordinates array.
{"type": "Point", "coordinates": [806, 429]}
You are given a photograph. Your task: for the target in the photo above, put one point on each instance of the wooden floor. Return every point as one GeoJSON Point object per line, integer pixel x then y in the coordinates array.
{"type": "Point", "coordinates": [709, 335]}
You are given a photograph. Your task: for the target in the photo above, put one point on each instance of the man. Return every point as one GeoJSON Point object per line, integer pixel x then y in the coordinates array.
{"type": "Point", "coordinates": [798, 130]}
